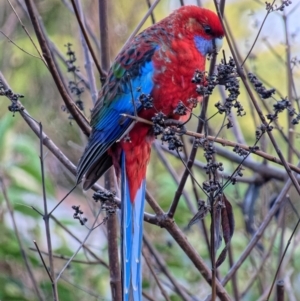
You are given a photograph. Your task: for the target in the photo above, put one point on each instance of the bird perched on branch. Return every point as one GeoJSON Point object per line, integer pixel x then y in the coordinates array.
{"type": "Point", "coordinates": [152, 74]}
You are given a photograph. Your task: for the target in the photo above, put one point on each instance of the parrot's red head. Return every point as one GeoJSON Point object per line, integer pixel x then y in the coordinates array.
{"type": "Point", "coordinates": [200, 21]}
{"type": "Point", "coordinates": [200, 24]}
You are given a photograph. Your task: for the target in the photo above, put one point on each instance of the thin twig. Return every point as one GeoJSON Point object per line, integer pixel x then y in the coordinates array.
{"type": "Point", "coordinates": [163, 267]}
{"type": "Point", "coordinates": [43, 262]}
{"type": "Point", "coordinates": [258, 234]}
{"type": "Point", "coordinates": [139, 26]}
{"type": "Point", "coordinates": [152, 14]}
{"type": "Point", "coordinates": [71, 106]}
{"type": "Point", "coordinates": [63, 257]}
{"type": "Point", "coordinates": [27, 33]}
{"type": "Point", "coordinates": [147, 296]}
{"type": "Point", "coordinates": [259, 31]}
{"type": "Point", "coordinates": [259, 111]}
{"type": "Point", "coordinates": [46, 219]}
{"type": "Point", "coordinates": [234, 278]}
{"type": "Point", "coordinates": [179, 237]}
{"type": "Point", "coordinates": [79, 248]}
{"type": "Point", "coordinates": [262, 263]}
{"type": "Point", "coordinates": [23, 253]}
{"type": "Point", "coordinates": [99, 260]}
{"type": "Point", "coordinates": [226, 142]}
{"type": "Point", "coordinates": [282, 257]}
{"type": "Point", "coordinates": [163, 292]}
{"type": "Point", "coordinates": [83, 289]}
{"type": "Point", "coordinates": [11, 41]}
{"type": "Point", "coordinates": [289, 77]}
{"type": "Point", "coordinates": [101, 72]}
{"type": "Point", "coordinates": [88, 60]}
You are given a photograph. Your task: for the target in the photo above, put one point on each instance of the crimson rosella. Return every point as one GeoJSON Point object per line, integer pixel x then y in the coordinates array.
{"type": "Point", "coordinates": [160, 62]}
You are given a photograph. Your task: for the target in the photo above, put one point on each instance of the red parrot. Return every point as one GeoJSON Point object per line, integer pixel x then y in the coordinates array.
{"type": "Point", "coordinates": [159, 62]}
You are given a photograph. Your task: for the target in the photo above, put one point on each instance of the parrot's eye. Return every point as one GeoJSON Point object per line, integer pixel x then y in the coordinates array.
{"type": "Point", "coordinates": [207, 29]}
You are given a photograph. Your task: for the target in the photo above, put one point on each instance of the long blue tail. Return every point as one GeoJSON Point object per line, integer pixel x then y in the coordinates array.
{"type": "Point", "coordinates": [131, 238]}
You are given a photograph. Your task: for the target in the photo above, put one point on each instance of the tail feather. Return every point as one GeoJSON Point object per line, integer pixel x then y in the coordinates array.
{"type": "Point", "coordinates": [131, 239]}
{"type": "Point", "coordinates": [137, 243]}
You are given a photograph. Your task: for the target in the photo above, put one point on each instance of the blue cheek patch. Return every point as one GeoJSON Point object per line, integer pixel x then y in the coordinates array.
{"type": "Point", "coordinates": [204, 46]}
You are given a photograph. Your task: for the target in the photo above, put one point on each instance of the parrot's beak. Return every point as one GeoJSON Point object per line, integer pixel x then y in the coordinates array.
{"type": "Point", "coordinates": [218, 42]}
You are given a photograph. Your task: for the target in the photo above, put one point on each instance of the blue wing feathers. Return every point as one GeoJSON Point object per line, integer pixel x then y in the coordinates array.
{"type": "Point", "coordinates": [108, 124]}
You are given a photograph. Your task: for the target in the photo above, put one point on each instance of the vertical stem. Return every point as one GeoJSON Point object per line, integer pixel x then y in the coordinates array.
{"type": "Point", "coordinates": [212, 250]}
{"type": "Point", "coordinates": [280, 290]}
{"type": "Point", "coordinates": [152, 14]}
{"type": "Point", "coordinates": [113, 253]}
{"type": "Point", "coordinates": [104, 34]}
{"type": "Point", "coordinates": [87, 57]}
{"type": "Point", "coordinates": [46, 218]}
{"type": "Point", "coordinates": [234, 282]}
{"type": "Point", "coordinates": [289, 86]}
{"type": "Point", "coordinates": [112, 223]}
{"type": "Point", "coordinates": [281, 223]}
